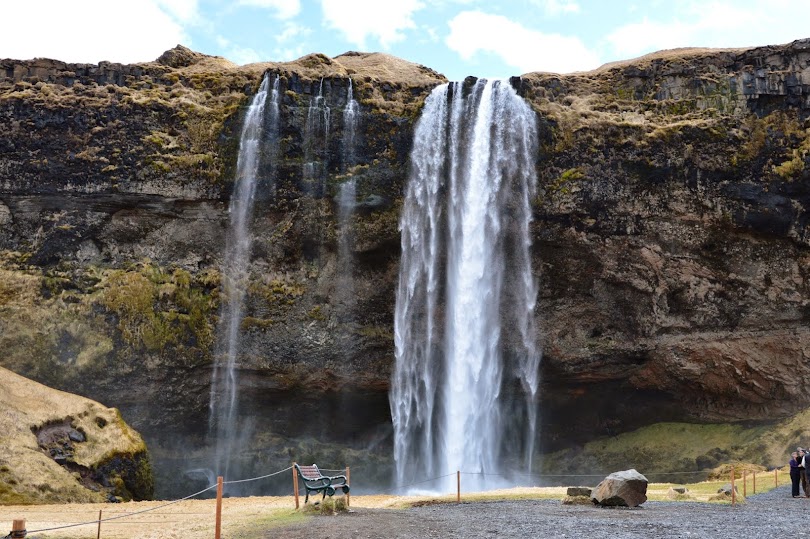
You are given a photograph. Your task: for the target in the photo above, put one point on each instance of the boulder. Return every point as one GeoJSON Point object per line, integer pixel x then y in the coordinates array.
{"type": "Point", "coordinates": [626, 488]}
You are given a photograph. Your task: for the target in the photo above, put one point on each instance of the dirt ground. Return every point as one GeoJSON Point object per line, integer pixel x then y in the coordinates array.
{"type": "Point", "coordinates": [373, 517]}
{"type": "Point", "coordinates": [768, 515]}
{"type": "Point", "coordinates": [243, 518]}
{"type": "Point", "coordinates": [246, 518]}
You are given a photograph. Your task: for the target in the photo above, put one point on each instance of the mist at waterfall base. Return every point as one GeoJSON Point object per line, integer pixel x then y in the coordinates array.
{"type": "Point", "coordinates": [464, 389]}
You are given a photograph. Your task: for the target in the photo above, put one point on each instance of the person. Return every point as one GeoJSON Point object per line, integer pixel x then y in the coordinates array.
{"type": "Point", "coordinates": [804, 464]}
{"type": "Point", "coordinates": [795, 475]}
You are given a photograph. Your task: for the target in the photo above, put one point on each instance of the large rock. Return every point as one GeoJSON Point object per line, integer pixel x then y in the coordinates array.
{"type": "Point", "coordinates": [56, 447]}
{"type": "Point", "coordinates": [627, 488]}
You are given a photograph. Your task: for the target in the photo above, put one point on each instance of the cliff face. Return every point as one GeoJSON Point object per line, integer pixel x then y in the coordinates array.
{"type": "Point", "coordinates": [670, 242]}
{"type": "Point", "coordinates": [672, 231]}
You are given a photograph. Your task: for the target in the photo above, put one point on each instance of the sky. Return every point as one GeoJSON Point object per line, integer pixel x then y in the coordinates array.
{"type": "Point", "coordinates": [485, 38]}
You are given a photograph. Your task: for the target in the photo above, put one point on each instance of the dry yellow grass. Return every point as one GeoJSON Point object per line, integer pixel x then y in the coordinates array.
{"type": "Point", "coordinates": [25, 468]}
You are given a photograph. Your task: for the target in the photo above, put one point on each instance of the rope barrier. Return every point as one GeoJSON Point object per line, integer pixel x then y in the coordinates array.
{"type": "Point", "coordinates": [256, 478]}
{"type": "Point", "coordinates": [395, 487]}
{"type": "Point", "coordinates": [125, 515]}
{"type": "Point", "coordinates": [572, 475]}
{"type": "Point", "coordinates": [425, 481]}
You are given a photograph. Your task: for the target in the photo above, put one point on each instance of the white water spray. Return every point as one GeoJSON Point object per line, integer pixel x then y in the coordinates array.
{"type": "Point", "coordinates": [465, 275]}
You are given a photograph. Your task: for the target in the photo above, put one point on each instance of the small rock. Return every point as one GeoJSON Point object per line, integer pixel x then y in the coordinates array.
{"type": "Point", "coordinates": [726, 489]}
{"type": "Point", "coordinates": [579, 491]}
{"type": "Point", "coordinates": [577, 500]}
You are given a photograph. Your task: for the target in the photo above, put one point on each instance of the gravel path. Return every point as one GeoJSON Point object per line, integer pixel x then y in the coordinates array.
{"type": "Point", "coordinates": [772, 515]}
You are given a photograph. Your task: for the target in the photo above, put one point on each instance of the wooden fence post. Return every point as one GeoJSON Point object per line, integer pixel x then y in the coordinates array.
{"type": "Point", "coordinates": [458, 486]}
{"type": "Point", "coordinates": [218, 530]}
{"type": "Point", "coordinates": [17, 529]}
{"type": "Point", "coordinates": [295, 485]}
{"type": "Point", "coordinates": [98, 534]}
{"type": "Point", "coordinates": [775, 477]}
{"type": "Point", "coordinates": [348, 482]}
{"type": "Point", "coordinates": [754, 486]}
{"type": "Point", "coordinates": [733, 490]}
{"type": "Point", "coordinates": [745, 483]}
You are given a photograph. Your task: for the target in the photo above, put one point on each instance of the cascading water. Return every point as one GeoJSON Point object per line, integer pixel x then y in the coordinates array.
{"type": "Point", "coordinates": [345, 279]}
{"type": "Point", "coordinates": [316, 143]}
{"type": "Point", "coordinates": [351, 116]}
{"type": "Point", "coordinates": [224, 421]}
{"type": "Point", "coordinates": [347, 199]}
{"type": "Point", "coordinates": [465, 273]}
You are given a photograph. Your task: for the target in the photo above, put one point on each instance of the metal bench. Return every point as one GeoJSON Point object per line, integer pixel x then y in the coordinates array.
{"type": "Point", "coordinates": [315, 481]}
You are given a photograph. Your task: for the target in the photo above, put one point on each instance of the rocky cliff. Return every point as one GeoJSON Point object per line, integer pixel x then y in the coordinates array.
{"type": "Point", "coordinates": [670, 243]}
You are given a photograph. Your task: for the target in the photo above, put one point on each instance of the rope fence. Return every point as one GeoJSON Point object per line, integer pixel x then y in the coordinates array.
{"type": "Point", "coordinates": [19, 530]}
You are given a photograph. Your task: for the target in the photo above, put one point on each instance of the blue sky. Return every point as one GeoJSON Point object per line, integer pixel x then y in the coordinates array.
{"type": "Point", "coordinates": [487, 38]}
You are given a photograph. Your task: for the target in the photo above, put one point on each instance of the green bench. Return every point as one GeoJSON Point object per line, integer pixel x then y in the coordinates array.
{"type": "Point", "coordinates": [315, 481]}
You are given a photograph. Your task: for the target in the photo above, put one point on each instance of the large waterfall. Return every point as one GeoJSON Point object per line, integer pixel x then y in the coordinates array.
{"type": "Point", "coordinates": [465, 382]}
{"type": "Point", "coordinates": [224, 421]}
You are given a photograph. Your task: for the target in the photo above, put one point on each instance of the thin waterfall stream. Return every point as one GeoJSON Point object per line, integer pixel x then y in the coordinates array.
{"type": "Point", "coordinates": [346, 202]}
{"type": "Point", "coordinates": [465, 276]}
{"type": "Point", "coordinates": [225, 424]}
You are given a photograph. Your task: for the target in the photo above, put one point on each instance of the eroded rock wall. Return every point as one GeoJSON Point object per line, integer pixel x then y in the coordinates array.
{"type": "Point", "coordinates": [672, 233]}
{"type": "Point", "coordinates": [671, 244]}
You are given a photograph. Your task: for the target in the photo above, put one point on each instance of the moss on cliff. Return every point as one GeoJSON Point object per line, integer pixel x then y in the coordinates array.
{"type": "Point", "coordinates": [662, 450]}
{"type": "Point", "coordinates": [156, 308]}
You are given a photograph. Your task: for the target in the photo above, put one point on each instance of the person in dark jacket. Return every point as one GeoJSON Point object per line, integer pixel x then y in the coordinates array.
{"type": "Point", "coordinates": [795, 474]}
{"type": "Point", "coordinates": [803, 470]}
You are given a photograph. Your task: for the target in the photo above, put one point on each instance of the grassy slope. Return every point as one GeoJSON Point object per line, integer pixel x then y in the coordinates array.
{"type": "Point", "coordinates": [28, 474]}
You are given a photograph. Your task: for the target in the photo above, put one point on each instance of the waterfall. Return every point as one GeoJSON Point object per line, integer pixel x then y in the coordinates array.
{"type": "Point", "coordinates": [316, 143]}
{"type": "Point", "coordinates": [465, 273]}
{"type": "Point", "coordinates": [224, 400]}
{"type": "Point", "coordinates": [350, 120]}
{"type": "Point", "coordinates": [347, 199]}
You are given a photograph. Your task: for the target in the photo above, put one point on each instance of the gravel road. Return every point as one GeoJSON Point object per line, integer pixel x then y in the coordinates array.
{"type": "Point", "coordinates": [770, 515]}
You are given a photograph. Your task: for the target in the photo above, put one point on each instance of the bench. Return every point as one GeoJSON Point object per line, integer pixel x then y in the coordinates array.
{"type": "Point", "coordinates": [315, 481]}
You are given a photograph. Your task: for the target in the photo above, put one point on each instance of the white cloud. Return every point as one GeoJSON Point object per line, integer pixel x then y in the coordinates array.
{"type": "Point", "coordinates": [292, 42]}
{"type": "Point", "coordinates": [553, 8]}
{"type": "Point", "coordinates": [292, 32]}
{"type": "Point", "coordinates": [359, 20]}
{"type": "Point", "coordinates": [124, 31]}
{"type": "Point", "coordinates": [526, 50]}
{"type": "Point", "coordinates": [285, 9]}
{"type": "Point", "coordinates": [182, 10]}
{"type": "Point", "coordinates": [722, 23]}
{"type": "Point", "coordinates": [236, 53]}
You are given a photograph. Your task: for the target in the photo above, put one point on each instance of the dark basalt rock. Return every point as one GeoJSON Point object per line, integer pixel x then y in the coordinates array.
{"type": "Point", "coordinates": [671, 241]}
